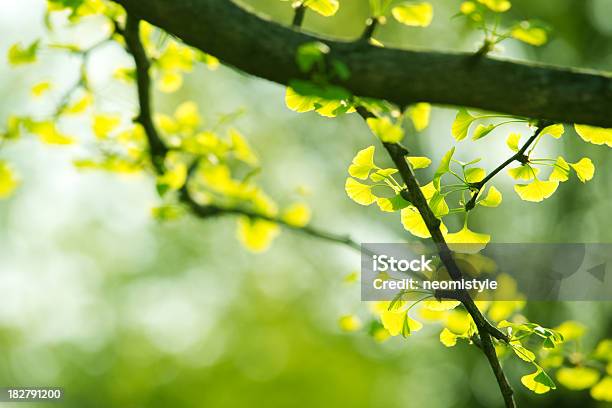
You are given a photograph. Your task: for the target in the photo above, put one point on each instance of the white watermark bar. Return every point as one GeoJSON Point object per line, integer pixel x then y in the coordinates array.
{"type": "Point", "coordinates": [534, 272]}
{"type": "Point", "coordinates": [30, 394]}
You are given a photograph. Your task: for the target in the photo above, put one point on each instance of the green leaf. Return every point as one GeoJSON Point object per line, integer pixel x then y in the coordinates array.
{"type": "Point", "coordinates": [419, 162]}
{"type": "Point", "coordinates": [443, 168]}
{"type": "Point", "coordinates": [386, 130]}
{"type": "Point", "coordinates": [482, 130]}
{"type": "Point", "coordinates": [324, 7]}
{"type": "Point", "coordinates": [415, 14]}
{"type": "Point", "coordinates": [419, 114]}
{"type": "Point", "coordinates": [310, 54]}
{"type": "Point", "coordinates": [362, 163]}
{"type": "Point", "coordinates": [497, 5]}
{"type": "Point", "coordinates": [392, 204]}
{"type": "Point", "coordinates": [530, 34]}
{"type": "Point", "coordinates": [358, 192]}
{"type": "Point", "coordinates": [595, 135]}
{"type": "Point", "coordinates": [493, 199]}
{"type": "Point", "coordinates": [537, 383]}
{"type": "Point", "coordinates": [18, 55]}
{"type": "Point", "coordinates": [462, 123]}
{"type": "Point", "coordinates": [522, 352]}
{"type": "Point", "coordinates": [544, 379]}
{"type": "Point", "coordinates": [537, 190]}
{"type": "Point", "coordinates": [555, 131]}
{"type": "Point", "coordinates": [474, 174]}
{"type": "Point", "coordinates": [577, 378]}
{"type": "Point", "coordinates": [438, 205]}
{"type": "Point", "coordinates": [513, 141]}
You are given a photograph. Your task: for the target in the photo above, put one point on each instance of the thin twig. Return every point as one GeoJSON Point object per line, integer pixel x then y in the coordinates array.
{"type": "Point", "coordinates": [298, 17]}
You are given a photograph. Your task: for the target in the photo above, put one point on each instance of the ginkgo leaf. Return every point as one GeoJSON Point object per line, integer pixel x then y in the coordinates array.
{"type": "Point", "coordinates": [467, 7]}
{"type": "Point", "coordinates": [19, 55]}
{"type": "Point", "coordinates": [560, 171]}
{"type": "Point", "coordinates": [523, 172]}
{"type": "Point", "coordinates": [167, 212]}
{"type": "Point", "coordinates": [482, 130]}
{"type": "Point", "coordinates": [467, 241]}
{"type": "Point", "coordinates": [256, 234]}
{"type": "Point", "coordinates": [170, 82]}
{"type": "Point", "coordinates": [522, 352]}
{"type": "Point", "coordinates": [419, 114]}
{"type": "Point", "coordinates": [358, 192]}
{"type": "Point", "coordinates": [577, 378]}
{"type": "Point", "coordinates": [448, 338]}
{"type": "Point", "coordinates": [584, 169]}
{"type": "Point", "coordinates": [595, 135]}
{"type": "Point", "coordinates": [513, 141]}
{"type": "Point", "coordinates": [382, 174]}
{"type": "Point", "coordinates": [538, 382]}
{"type": "Point", "coordinates": [416, 14]}
{"type": "Point", "coordinates": [386, 130]}
{"type": "Point", "coordinates": [458, 322]}
{"type": "Point", "coordinates": [48, 133]}
{"type": "Point", "coordinates": [537, 190]}
{"type": "Point", "coordinates": [8, 180]}
{"type": "Point", "coordinates": [187, 116]}
{"type": "Point", "coordinates": [443, 168]}
{"type": "Point", "coordinates": [324, 7]}
{"type": "Point", "coordinates": [474, 174]}
{"type": "Point", "coordinates": [419, 162]}
{"type": "Point", "coordinates": [297, 215]}
{"type": "Point", "coordinates": [529, 34]}
{"type": "Point", "coordinates": [497, 5]}
{"type": "Point", "coordinates": [493, 199]}
{"type": "Point", "coordinates": [438, 204]}
{"type": "Point", "coordinates": [571, 330]}
{"type": "Point", "coordinates": [461, 124]}
{"type": "Point", "coordinates": [41, 88]}
{"type": "Point", "coordinates": [241, 148]}
{"type": "Point", "coordinates": [414, 223]}
{"type": "Point", "coordinates": [362, 163]}
{"type": "Point", "coordinates": [349, 323]}
{"type": "Point", "coordinates": [299, 103]}
{"type": "Point", "coordinates": [398, 322]}
{"type": "Point", "coordinates": [603, 390]}
{"type": "Point", "coordinates": [104, 124]}
{"type": "Point", "coordinates": [392, 204]}
{"type": "Point", "coordinates": [440, 305]}
{"type": "Point", "coordinates": [173, 179]}
{"type": "Point", "coordinates": [80, 105]}
{"type": "Point", "coordinates": [555, 131]}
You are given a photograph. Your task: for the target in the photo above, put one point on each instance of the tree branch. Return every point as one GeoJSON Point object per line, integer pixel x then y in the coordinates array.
{"type": "Point", "coordinates": [417, 198]}
{"type": "Point", "coordinates": [518, 156]}
{"type": "Point", "coordinates": [263, 48]}
{"type": "Point", "coordinates": [159, 150]}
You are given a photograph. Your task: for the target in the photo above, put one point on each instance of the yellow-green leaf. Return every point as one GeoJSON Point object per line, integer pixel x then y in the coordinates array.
{"type": "Point", "coordinates": [392, 204]}
{"type": "Point", "coordinates": [522, 352]}
{"type": "Point", "coordinates": [474, 174]}
{"type": "Point", "coordinates": [358, 192]}
{"type": "Point", "coordinates": [523, 172]}
{"type": "Point", "coordinates": [349, 323]}
{"type": "Point", "coordinates": [48, 133]}
{"type": "Point", "coordinates": [299, 103]}
{"type": "Point", "coordinates": [414, 223]}
{"type": "Point", "coordinates": [386, 130]}
{"type": "Point", "coordinates": [8, 180]}
{"type": "Point", "coordinates": [419, 114]}
{"type": "Point", "coordinates": [362, 163]}
{"type": "Point", "coordinates": [571, 330]}
{"type": "Point", "coordinates": [577, 378]}
{"type": "Point", "coordinates": [187, 116]}
{"type": "Point", "coordinates": [104, 124]}
{"type": "Point", "coordinates": [482, 130]}
{"type": "Point", "coordinates": [41, 88]}
{"type": "Point", "coordinates": [419, 162]}
{"type": "Point", "coordinates": [461, 124]}
{"type": "Point", "coordinates": [555, 131]}
{"type": "Point", "coordinates": [584, 169]}
{"type": "Point", "coordinates": [443, 168]}
{"type": "Point", "coordinates": [382, 174]}
{"type": "Point", "coordinates": [537, 190]}
{"type": "Point", "coordinates": [497, 5]}
{"type": "Point", "coordinates": [513, 141]}
{"type": "Point", "coordinates": [603, 390]}
{"type": "Point", "coordinates": [170, 82]}
{"type": "Point", "coordinates": [595, 135]}
{"type": "Point", "coordinates": [241, 148]}
{"type": "Point", "coordinates": [529, 34]}
{"type": "Point", "coordinates": [537, 383]}
{"type": "Point", "coordinates": [560, 171]}
{"type": "Point", "coordinates": [19, 55]}
{"type": "Point", "coordinates": [474, 241]}
{"type": "Point", "coordinates": [448, 338]}
{"type": "Point", "coordinates": [493, 199]}
{"type": "Point", "coordinates": [256, 234]}
{"type": "Point", "coordinates": [415, 14]}
{"type": "Point", "coordinates": [324, 7]}
{"type": "Point", "coordinates": [297, 215]}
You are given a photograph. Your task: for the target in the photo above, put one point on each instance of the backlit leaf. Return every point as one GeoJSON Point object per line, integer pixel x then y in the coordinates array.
{"type": "Point", "coordinates": [536, 383]}
{"type": "Point", "coordinates": [349, 323]}
{"type": "Point", "coordinates": [555, 131]}
{"type": "Point", "coordinates": [443, 168]}
{"type": "Point", "coordinates": [256, 234]}
{"type": "Point", "coordinates": [448, 338]}
{"type": "Point", "coordinates": [386, 130]}
{"type": "Point", "coordinates": [523, 172]}
{"type": "Point", "coordinates": [577, 378]}
{"type": "Point", "coordinates": [475, 241]}
{"type": "Point", "coordinates": [8, 180]}
{"type": "Point", "coordinates": [493, 199]}
{"type": "Point", "coordinates": [560, 171]}
{"type": "Point", "coordinates": [482, 130]}
{"type": "Point", "coordinates": [497, 5]}
{"type": "Point", "coordinates": [529, 34]}
{"type": "Point", "coordinates": [358, 192]}
{"type": "Point", "coordinates": [419, 162]}
{"type": "Point", "coordinates": [362, 163]}
{"type": "Point", "coordinates": [297, 215]}
{"type": "Point", "coordinates": [537, 190]}
{"type": "Point", "coordinates": [324, 7]}
{"type": "Point", "coordinates": [414, 223]}
{"type": "Point", "coordinates": [584, 169]}
{"type": "Point", "coordinates": [474, 174]}
{"type": "Point", "coordinates": [603, 390]}
{"type": "Point", "coordinates": [595, 135]}
{"type": "Point", "coordinates": [461, 124]}
{"type": "Point", "coordinates": [419, 114]}
{"type": "Point", "coordinates": [513, 141]}
{"type": "Point", "coordinates": [19, 55]}
{"type": "Point", "coordinates": [415, 14]}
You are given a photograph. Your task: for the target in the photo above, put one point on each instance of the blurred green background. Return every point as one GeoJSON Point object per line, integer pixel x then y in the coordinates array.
{"type": "Point", "coordinates": [124, 312]}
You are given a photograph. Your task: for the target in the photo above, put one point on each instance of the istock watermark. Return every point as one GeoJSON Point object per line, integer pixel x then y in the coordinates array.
{"type": "Point", "coordinates": [536, 272]}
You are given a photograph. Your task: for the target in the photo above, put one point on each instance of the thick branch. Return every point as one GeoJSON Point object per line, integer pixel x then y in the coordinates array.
{"type": "Point", "coordinates": [417, 198]}
{"type": "Point", "coordinates": [263, 48]}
